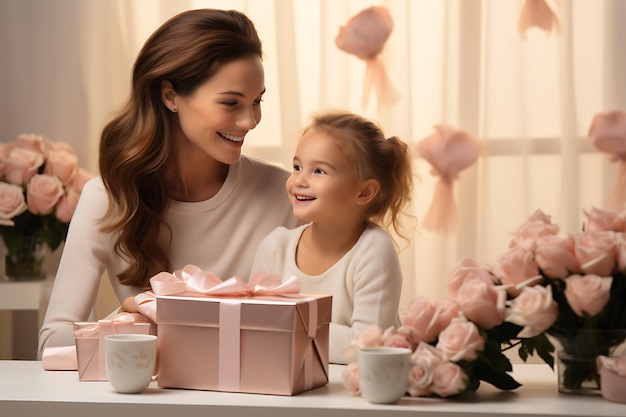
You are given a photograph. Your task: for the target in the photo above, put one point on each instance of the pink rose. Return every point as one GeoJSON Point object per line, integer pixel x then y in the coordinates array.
{"type": "Point", "coordinates": [596, 252]}
{"type": "Point", "coordinates": [539, 216]}
{"type": "Point", "coordinates": [430, 357]}
{"type": "Point", "coordinates": [419, 381]}
{"type": "Point", "coordinates": [418, 320]}
{"type": "Point", "coordinates": [555, 256]}
{"type": "Point", "coordinates": [587, 293]}
{"type": "Point", "coordinates": [67, 205]}
{"type": "Point", "coordinates": [58, 146]}
{"type": "Point", "coordinates": [448, 311]}
{"type": "Point", "coordinates": [534, 309]}
{"type": "Point", "coordinates": [448, 379]}
{"type": "Point", "coordinates": [371, 336]}
{"type": "Point", "coordinates": [536, 226]}
{"type": "Point", "coordinates": [80, 179]}
{"type": "Point", "coordinates": [43, 193]}
{"type": "Point", "coordinates": [461, 340]}
{"type": "Point", "coordinates": [466, 269]}
{"type": "Point", "coordinates": [62, 164]}
{"type": "Point", "coordinates": [619, 225]}
{"type": "Point", "coordinates": [21, 165]}
{"type": "Point", "coordinates": [35, 143]}
{"type": "Point", "coordinates": [515, 267]}
{"type": "Point", "coordinates": [12, 203]}
{"type": "Point", "coordinates": [600, 220]}
{"type": "Point", "coordinates": [482, 303]}
{"type": "Point", "coordinates": [393, 338]}
{"type": "Point", "coordinates": [350, 378]}
{"type": "Point", "coordinates": [620, 249]}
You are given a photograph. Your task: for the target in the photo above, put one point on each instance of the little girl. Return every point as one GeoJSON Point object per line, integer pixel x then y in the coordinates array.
{"type": "Point", "coordinates": [348, 182]}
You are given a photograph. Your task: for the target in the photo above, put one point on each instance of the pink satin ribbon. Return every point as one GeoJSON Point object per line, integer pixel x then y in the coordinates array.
{"type": "Point", "coordinates": [59, 358]}
{"type": "Point", "coordinates": [191, 280]}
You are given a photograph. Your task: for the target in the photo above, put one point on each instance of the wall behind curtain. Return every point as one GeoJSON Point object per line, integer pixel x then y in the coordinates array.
{"type": "Point", "coordinates": [66, 66]}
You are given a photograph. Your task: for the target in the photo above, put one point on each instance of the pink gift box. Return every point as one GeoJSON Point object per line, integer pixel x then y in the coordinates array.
{"type": "Point", "coordinates": [260, 344]}
{"type": "Point", "coordinates": [90, 344]}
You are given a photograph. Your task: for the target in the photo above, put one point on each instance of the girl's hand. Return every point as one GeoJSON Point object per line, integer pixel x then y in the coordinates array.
{"type": "Point", "coordinates": [129, 305]}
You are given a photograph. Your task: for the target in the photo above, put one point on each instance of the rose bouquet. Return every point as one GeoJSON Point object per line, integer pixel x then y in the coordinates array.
{"type": "Point", "coordinates": [571, 286]}
{"type": "Point", "coordinates": [39, 189]}
{"type": "Point", "coordinates": [460, 341]}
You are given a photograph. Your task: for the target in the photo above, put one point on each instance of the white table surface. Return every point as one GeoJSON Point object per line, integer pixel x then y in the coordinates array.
{"type": "Point", "coordinates": [27, 390]}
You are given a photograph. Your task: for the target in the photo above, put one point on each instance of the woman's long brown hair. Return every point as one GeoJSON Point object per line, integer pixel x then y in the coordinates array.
{"type": "Point", "coordinates": [186, 50]}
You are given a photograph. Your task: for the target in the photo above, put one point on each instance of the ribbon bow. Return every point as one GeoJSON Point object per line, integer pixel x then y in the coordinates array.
{"type": "Point", "coordinates": [192, 280]}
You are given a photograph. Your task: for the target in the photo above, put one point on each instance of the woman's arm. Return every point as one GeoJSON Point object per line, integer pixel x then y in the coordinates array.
{"type": "Point", "coordinates": [82, 264]}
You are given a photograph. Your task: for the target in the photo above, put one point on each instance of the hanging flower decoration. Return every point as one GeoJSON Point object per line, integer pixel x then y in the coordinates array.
{"type": "Point", "coordinates": [364, 36]}
{"type": "Point", "coordinates": [608, 134]}
{"type": "Point", "coordinates": [539, 14]}
{"type": "Point", "coordinates": [449, 151]}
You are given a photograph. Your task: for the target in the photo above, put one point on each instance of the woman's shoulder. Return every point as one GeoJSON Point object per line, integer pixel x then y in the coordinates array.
{"type": "Point", "coordinates": [94, 189]}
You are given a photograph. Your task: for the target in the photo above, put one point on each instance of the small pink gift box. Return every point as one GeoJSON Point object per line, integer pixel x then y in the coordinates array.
{"type": "Point", "coordinates": [612, 382]}
{"type": "Point", "coordinates": [90, 342]}
{"type": "Point", "coordinates": [255, 344]}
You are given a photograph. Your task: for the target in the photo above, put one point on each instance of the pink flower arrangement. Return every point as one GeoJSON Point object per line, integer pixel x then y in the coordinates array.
{"type": "Point", "coordinates": [456, 351]}
{"type": "Point", "coordinates": [569, 286]}
{"type": "Point", "coordinates": [40, 187]}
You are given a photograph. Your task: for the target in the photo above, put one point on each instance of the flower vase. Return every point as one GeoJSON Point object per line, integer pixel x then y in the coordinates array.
{"type": "Point", "coordinates": [576, 358]}
{"type": "Point", "coordinates": [28, 262]}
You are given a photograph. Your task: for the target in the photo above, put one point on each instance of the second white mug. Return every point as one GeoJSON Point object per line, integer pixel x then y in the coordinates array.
{"type": "Point", "coordinates": [384, 373]}
{"type": "Point", "coordinates": [130, 361]}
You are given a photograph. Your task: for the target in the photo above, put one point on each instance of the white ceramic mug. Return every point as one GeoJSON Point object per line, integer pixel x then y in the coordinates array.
{"type": "Point", "coordinates": [384, 373]}
{"type": "Point", "coordinates": [130, 361]}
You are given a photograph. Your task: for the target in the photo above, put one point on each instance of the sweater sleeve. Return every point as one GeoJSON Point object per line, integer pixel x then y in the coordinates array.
{"type": "Point", "coordinates": [265, 258]}
{"type": "Point", "coordinates": [81, 267]}
{"type": "Point", "coordinates": [376, 277]}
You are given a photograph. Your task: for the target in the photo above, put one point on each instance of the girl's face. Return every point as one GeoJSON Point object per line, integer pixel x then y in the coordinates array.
{"type": "Point", "coordinates": [217, 116]}
{"type": "Point", "coordinates": [322, 187]}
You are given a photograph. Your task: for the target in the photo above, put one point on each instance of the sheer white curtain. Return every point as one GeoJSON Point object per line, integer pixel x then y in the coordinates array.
{"type": "Point", "coordinates": [66, 65]}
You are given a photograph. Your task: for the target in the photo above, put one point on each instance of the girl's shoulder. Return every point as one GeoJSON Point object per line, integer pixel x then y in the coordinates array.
{"type": "Point", "coordinates": [376, 236]}
{"type": "Point", "coordinates": [282, 233]}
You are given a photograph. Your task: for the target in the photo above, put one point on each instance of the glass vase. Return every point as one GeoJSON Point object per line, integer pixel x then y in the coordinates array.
{"type": "Point", "coordinates": [28, 263]}
{"type": "Point", "coordinates": [576, 358]}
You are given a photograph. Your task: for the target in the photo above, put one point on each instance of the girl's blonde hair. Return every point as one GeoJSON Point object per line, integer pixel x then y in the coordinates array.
{"type": "Point", "coordinates": [386, 160]}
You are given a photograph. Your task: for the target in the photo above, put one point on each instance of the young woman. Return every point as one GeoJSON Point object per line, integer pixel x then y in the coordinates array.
{"type": "Point", "coordinates": [348, 184]}
{"type": "Point", "coordinates": [174, 187]}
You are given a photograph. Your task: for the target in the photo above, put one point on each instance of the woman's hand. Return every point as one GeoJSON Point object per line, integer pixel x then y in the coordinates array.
{"type": "Point", "coordinates": [129, 305]}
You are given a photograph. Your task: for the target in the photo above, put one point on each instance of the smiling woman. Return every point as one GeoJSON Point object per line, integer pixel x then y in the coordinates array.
{"type": "Point", "coordinates": [174, 187]}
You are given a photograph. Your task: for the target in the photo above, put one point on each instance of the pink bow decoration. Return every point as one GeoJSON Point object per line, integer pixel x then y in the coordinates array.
{"type": "Point", "coordinates": [608, 134]}
{"type": "Point", "coordinates": [192, 280]}
{"type": "Point", "coordinates": [449, 151]}
{"type": "Point", "coordinates": [539, 14]}
{"type": "Point", "coordinates": [364, 36]}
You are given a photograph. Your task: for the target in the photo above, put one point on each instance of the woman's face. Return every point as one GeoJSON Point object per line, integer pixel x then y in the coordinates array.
{"type": "Point", "coordinates": [218, 115]}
